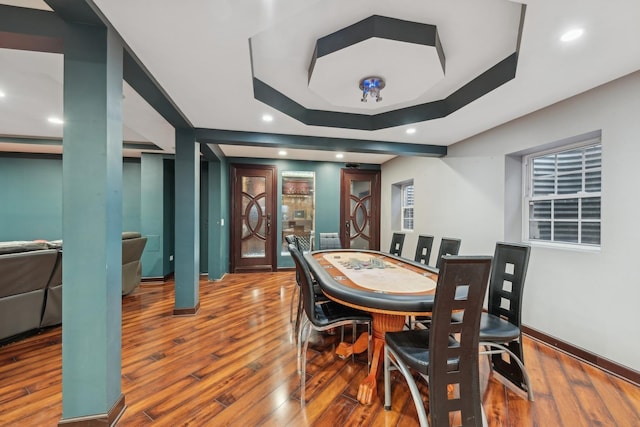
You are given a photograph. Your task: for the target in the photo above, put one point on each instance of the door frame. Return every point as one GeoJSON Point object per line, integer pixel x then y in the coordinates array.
{"type": "Point", "coordinates": [345, 205]}
{"type": "Point", "coordinates": [234, 246]}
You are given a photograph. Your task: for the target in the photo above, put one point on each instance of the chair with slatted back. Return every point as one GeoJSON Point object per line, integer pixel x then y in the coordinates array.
{"type": "Point", "coordinates": [448, 246]}
{"type": "Point", "coordinates": [397, 241]}
{"type": "Point", "coordinates": [423, 249]}
{"type": "Point", "coordinates": [447, 363]}
{"type": "Point", "coordinates": [320, 317]}
{"type": "Point", "coordinates": [320, 297]}
{"type": "Point", "coordinates": [500, 330]}
{"type": "Point", "coordinates": [291, 240]}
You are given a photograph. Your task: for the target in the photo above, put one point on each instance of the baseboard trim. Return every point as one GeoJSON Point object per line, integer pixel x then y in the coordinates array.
{"type": "Point", "coordinates": [612, 367]}
{"type": "Point", "coordinates": [164, 278]}
{"type": "Point", "coordinates": [100, 420]}
{"type": "Point", "coordinates": [189, 311]}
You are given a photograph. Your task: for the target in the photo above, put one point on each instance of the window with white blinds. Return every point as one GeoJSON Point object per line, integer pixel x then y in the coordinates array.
{"type": "Point", "coordinates": [407, 207]}
{"type": "Point", "coordinates": [563, 195]}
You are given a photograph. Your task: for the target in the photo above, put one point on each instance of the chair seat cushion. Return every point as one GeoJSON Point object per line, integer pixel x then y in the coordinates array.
{"type": "Point", "coordinates": [494, 328]}
{"type": "Point", "coordinates": [332, 312]}
{"type": "Point", "coordinates": [413, 348]}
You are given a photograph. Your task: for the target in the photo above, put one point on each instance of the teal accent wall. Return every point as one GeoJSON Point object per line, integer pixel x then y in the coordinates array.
{"type": "Point", "coordinates": [327, 203]}
{"type": "Point", "coordinates": [218, 219]}
{"type": "Point", "coordinates": [169, 216]}
{"type": "Point", "coordinates": [31, 197]}
{"type": "Point", "coordinates": [131, 200]}
{"type": "Point", "coordinates": [152, 196]}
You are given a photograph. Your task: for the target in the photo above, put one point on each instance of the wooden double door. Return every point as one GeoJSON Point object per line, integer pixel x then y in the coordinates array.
{"type": "Point", "coordinates": [254, 237]}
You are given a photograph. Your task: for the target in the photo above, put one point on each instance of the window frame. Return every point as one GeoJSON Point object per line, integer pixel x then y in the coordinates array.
{"type": "Point", "coordinates": [528, 198]}
{"type": "Point", "coordinates": [404, 207]}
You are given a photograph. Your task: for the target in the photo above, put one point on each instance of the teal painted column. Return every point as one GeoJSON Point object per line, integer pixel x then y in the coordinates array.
{"type": "Point", "coordinates": [152, 213]}
{"type": "Point", "coordinates": [187, 222]}
{"type": "Point", "coordinates": [92, 225]}
{"type": "Point", "coordinates": [218, 219]}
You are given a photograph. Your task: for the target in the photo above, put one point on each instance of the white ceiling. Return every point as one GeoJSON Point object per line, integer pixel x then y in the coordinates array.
{"type": "Point", "coordinates": [199, 53]}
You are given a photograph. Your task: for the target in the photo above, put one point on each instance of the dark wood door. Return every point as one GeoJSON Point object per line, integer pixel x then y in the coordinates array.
{"type": "Point", "coordinates": [360, 209]}
{"type": "Point", "coordinates": [253, 195]}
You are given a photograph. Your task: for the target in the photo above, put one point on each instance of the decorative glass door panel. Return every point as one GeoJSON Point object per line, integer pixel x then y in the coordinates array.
{"type": "Point", "coordinates": [254, 217]}
{"type": "Point", "coordinates": [359, 214]}
{"type": "Point", "coordinates": [360, 209]}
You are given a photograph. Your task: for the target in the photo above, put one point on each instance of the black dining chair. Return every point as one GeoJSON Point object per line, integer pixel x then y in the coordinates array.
{"type": "Point", "coordinates": [448, 246]}
{"type": "Point", "coordinates": [291, 240]}
{"type": "Point", "coordinates": [321, 317]}
{"type": "Point", "coordinates": [397, 241]}
{"type": "Point", "coordinates": [423, 249]}
{"type": "Point", "coordinates": [320, 296]}
{"type": "Point", "coordinates": [500, 327]}
{"type": "Point", "coordinates": [329, 241]}
{"type": "Point", "coordinates": [445, 361]}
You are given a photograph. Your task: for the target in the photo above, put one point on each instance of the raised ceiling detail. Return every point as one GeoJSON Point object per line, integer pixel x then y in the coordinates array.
{"type": "Point", "coordinates": [363, 41]}
{"type": "Point", "coordinates": [393, 49]}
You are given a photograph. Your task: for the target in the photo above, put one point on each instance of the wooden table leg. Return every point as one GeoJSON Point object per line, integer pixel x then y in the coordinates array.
{"type": "Point", "coordinates": [382, 323]}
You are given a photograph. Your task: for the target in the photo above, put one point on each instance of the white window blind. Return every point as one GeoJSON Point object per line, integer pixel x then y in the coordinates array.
{"type": "Point", "coordinates": [563, 195]}
{"type": "Point", "coordinates": [407, 207]}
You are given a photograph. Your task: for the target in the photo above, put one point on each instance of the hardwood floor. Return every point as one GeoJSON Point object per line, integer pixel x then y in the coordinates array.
{"type": "Point", "coordinates": [234, 363]}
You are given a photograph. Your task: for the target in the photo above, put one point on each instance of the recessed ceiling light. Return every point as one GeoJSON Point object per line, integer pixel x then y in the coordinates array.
{"type": "Point", "coordinates": [411, 131]}
{"type": "Point", "coordinates": [267, 118]}
{"type": "Point", "coordinates": [55, 120]}
{"type": "Point", "coordinates": [282, 153]}
{"type": "Point", "coordinates": [2, 94]}
{"type": "Point", "coordinates": [572, 35]}
{"type": "Point", "coordinates": [339, 156]}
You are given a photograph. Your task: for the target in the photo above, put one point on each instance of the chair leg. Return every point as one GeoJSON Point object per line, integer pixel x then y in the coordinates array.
{"type": "Point", "coordinates": [297, 325]}
{"type": "Point", "coordinates": [504, 349]}
{"type": "Point", "coordinates": [387, 380]}
{"type": "Point", "coordinates": [300, 333]}
{"type": "Point", "coordinates": [413, 388]}
{"type": "Point", "coordinates": [303, 378]}
{"type": "Point", "coordinates": [295, 291]}
{"type": "Point", "coordinates": [354, 328]}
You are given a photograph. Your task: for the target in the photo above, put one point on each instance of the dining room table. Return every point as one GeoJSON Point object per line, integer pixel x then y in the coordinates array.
{"type": "Point", "coordinates": [387, 286]}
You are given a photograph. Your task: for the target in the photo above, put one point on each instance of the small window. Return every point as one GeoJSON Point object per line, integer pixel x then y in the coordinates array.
{"type": "Point", "coordinates": [563, 195]}
{"type": "Point", "coordinates": [407, 207]}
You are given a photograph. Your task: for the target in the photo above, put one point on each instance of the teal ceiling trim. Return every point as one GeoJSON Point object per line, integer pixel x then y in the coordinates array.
{"type": "Point", "coordinates": [31, 29]}
{"type": "Point", "coordinates": [127, 145]}
{"type": "Point", "coordinates": [305, 142]}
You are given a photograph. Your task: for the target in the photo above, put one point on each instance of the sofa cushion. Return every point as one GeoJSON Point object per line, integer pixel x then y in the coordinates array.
{"type": "Point", "coordinates": [130, 235]}
{"type": "Point", "coordinates": [17, 246]}
{"type": "Point", "coordinates": [26, 271]}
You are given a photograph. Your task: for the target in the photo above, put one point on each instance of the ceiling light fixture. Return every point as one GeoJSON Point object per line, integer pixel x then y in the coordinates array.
{"type": "Point", "coordinates": [371, 86]}
{"type": "Point", "coordinates": [2, 94]}
{"type": "Point", "coordinates": [282, 153]}
{"type": "Point", "coordinates": [572, 35]}
{"type": "Point", "coordinates": [410, 131]}
{"type": "Point", "coordinates": [267, 118]}
{"type": "Point", "coordinates": [55, 120]}
{"type": "Point", "coordinates": [339, 156]}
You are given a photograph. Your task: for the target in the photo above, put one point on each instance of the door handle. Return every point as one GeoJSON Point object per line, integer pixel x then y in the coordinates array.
{"type": "Point", "coordinates": [268, 224]}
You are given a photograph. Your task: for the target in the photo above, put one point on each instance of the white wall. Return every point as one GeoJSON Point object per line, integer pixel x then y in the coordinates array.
{"type": "Point", "coordinates": [589, 299]}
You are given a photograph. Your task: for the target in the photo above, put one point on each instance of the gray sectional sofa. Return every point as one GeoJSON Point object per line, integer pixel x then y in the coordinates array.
{"type": "Point", "coordinates": [26, 269]}
{"type": "Point", "coordinates": [31, 282]}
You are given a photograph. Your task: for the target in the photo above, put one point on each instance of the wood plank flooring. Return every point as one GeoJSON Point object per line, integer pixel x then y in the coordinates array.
{"type": "Point", "coordinates": [234, 363]}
